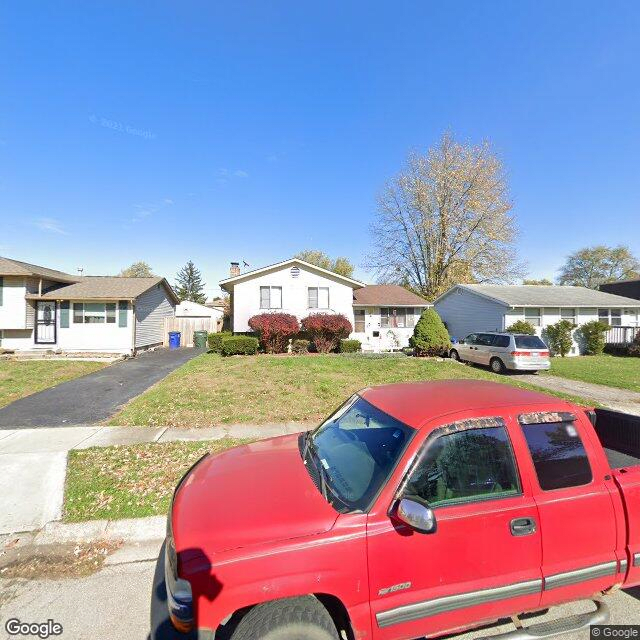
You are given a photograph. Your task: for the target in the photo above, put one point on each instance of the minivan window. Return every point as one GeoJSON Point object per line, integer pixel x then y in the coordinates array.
{"type": "Point", "coordinates": [501, 341]}
{"type": "Point", "coordinates": [485, 339]}
{"type": "Point", "coordinates": [529, 342]}
{"type": "Point", "coordinates": [558, 455]}
{"type": "Point", "coordinates": [352, 453]}
{"type": "Point", "coordinates": [476, 464]}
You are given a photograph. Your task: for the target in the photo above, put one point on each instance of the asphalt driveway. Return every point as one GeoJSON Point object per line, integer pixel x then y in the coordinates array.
{"type": "Point", "coordinates": [94, 397]}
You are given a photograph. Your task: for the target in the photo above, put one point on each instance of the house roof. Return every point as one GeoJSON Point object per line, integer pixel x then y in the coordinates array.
{"type": "Point", "coordinates": [9, 267]}
{"type": "Point", "coordinates": [529, 295]}
{"type": "Point", "coordinates": [387, 295]}
{"type": "Point", "coordinates": [227, 284]}
{"type": "Point", "coordinates": [106, 288]}
{"type": "Point", "coordinates": [628, 288]}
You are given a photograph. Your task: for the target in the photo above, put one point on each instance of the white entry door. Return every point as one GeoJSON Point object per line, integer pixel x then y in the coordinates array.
{"type": "Point", "coordinates": [45, 322]}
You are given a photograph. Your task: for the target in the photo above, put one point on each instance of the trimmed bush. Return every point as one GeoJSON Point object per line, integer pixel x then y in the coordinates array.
{"type": "Point", "coordinates": [274, 330]}
{"type": "Point", "coordinates": [350, 346]}
{"type": "Point", "coordinates": [430, 336]}
{"type": "Point", "coordinates": [559, 337]}
{"type": "Point", "coordinates": [326, 330]}
{"type": "Point", "coordinates": [522, 326]}
{"type": "Point", "coordinates": [593, 334]}
{"type": "Point", "coordinates": [240, 346]}
{"type": "Point", "coordinates": [214, 340]}
{"type": "Point", "coordinates": [300, 346]}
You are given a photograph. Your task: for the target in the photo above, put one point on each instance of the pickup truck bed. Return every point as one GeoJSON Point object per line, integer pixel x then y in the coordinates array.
{"type": "Point", "coordinates": [619, 434]}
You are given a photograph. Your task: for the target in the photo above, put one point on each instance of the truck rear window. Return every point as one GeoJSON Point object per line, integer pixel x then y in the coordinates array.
{"type": "Point", "coordinates": [558, 455]}
{"type": "Point", "coordinates": [529, 342]}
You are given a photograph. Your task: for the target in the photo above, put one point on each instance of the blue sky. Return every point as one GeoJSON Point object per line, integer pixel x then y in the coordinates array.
{"type": "Point", "coordinates": [168, 131]}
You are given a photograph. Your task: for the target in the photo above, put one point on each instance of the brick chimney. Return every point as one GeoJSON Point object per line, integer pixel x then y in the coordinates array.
{"type": "Point", "coordinates": [234, 270]}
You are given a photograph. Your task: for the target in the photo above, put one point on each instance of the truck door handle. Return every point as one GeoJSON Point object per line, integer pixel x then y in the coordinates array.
{"type": "Point", "coordinates": [522, 526]}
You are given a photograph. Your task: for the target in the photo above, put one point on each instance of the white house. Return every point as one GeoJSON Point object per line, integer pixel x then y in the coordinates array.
{"type": "Point", "coordinates": [42, 309]}
{"type": "Point", "coordinates": [467, 308]}
{"type": "Point", "coordinates": [383, 316]}
{"type": "Point", "coordinates": [188, 309]}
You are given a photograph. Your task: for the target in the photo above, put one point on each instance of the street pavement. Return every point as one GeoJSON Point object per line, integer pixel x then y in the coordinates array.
{"type": "Point", "coordinates": [115, 602]}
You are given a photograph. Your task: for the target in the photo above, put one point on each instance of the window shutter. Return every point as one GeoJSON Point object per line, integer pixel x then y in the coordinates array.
{"type": "Point", "coordinates": [64, 314]}
{"type": "Point", "coordinates": [123, 307]}
{"type": "Point", "coordinates": [1, 286]}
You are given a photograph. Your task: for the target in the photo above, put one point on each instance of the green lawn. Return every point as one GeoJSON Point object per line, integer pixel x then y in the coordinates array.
{"type": "Point", "coordinates": [22, 378]}
{"type": "Point", "coordinates": [211, 390]}
{"type": "Point", "coordinates": [131, 481]}
{"type": "Point", "coordinates": [613, 371]}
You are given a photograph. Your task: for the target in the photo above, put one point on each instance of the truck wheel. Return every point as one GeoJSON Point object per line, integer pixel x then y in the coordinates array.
{"type": "Point", "coordinates": [295, 619]}
{"type": "Point", "coordinates": [497, 366]}
{"type": "Point", "coordinates": [454, 355]}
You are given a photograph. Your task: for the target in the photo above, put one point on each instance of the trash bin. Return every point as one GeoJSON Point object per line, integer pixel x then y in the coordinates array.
{"type": "Point", "coordinates": [200, 339]}
{"type": "Point", "coordinates": [174, 339]}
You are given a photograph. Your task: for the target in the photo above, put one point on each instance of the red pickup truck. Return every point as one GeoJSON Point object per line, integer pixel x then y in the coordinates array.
{"type": "Point", "coordinates": [415, 509]}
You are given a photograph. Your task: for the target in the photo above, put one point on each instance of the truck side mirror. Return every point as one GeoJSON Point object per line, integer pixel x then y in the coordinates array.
{"type": "Point", "coordinates": [417, 515]}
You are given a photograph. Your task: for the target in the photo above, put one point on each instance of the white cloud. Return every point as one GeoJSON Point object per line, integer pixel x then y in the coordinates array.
{"type": "Point", "coordinates": [239, 173]}
{"type": "Point", "coordinates": [50, 225]}
{"type": "Point", "coordinates": [143, 211]}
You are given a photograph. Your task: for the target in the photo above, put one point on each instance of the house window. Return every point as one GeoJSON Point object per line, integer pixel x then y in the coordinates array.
{"type": "Point", "coordinates": [533, 315]}
{"type": "Point", "coordinates": [612, 317]}
{"type": "Point", "coordinates": [271, 297]}
{"type": "Point", "coordinates": [94, 313]}
{"type": "Point", "coordinates": [358, 317]}
{"type": "Point", "coordinates": [396, 318]}
{"type": "Point", "coordinates": [568, 314]}
{"type": "Point", "coordinates": [318, 297]}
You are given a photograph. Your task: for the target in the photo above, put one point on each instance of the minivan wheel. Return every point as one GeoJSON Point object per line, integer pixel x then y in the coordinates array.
{"type": "Point", "coordinates": [497, 366]}
{"type": "Point", "coordinates": [454, 355]}
{"type": "Point", "coordinates": [302, 618]}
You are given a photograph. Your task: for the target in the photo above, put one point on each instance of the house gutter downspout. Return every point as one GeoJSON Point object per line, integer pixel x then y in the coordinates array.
{"type": "Point", "coordinates": [133, 326]}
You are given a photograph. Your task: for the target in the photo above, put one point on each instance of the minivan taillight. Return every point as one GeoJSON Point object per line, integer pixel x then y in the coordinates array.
{"type": "Point", "coordinates": [521, 353]}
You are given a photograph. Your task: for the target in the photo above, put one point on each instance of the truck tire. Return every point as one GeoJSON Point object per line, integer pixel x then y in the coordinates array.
{"type": "Point", "coordinates": [302, 618]}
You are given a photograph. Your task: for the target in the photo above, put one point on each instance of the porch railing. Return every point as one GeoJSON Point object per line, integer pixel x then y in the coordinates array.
{"type": "Point", "coordinates": [621, 335]}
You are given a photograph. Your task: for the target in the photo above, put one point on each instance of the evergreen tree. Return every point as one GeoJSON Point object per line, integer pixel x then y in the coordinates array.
{"type": "Point", "coordinates": [189, 284]}
{"type": "Point", "coordinates": [430, 336]}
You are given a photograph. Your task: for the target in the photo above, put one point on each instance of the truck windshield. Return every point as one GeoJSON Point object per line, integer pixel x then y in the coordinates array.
{"type": "Point", "coordinates": [351, 454]}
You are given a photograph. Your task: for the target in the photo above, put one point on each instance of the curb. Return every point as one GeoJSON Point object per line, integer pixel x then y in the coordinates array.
{"type": "Point", "coordinates": [134, 530]}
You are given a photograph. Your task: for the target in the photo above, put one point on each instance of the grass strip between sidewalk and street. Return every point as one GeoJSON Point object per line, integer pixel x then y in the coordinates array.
{"type": "Point", "coordinates": [130, 481]}
{"type": "Point", "coordinates": [210, 390]}
{"type": "Point", "coordinates": [22, 378]}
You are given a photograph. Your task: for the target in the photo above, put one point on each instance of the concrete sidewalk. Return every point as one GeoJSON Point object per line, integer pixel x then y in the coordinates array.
{"type": "Point", "coordinates": [33, 462]}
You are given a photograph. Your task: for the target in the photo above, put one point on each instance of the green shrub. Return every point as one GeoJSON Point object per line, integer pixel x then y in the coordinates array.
{"type": "Point", "coordinates": [634, 347]}
{"type": "Point", "coordinates": [522, 326]}
{"type": "Point", "coordinates": [349, 346]}
{"type": "Point", "coordinates": [430, 337]}
{"type": "Point", "coordinates": [300, 346]}
{"type": "Point", "coordinates": [214, 340]}
{"type": "Point", "coordinates": [593, 335]}
{"type": "Point", "coordinates": [240, 346]}
{"type": "Point", "coordinates": [559, 337]}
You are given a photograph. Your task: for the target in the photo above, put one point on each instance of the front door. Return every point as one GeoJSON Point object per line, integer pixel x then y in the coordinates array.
{"type": "Point", "coordinates": [45, 322]}
{"type": "Point", "coordinates": [483, 560]}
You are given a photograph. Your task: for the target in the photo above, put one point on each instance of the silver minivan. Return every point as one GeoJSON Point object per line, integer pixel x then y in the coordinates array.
{"type": "Point", "coordinates": [501, 351]}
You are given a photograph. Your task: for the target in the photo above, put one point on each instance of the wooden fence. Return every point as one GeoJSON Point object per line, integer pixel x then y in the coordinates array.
{"type": "Point", "coordinates": [621, 335]}
{"type": "Point", "coordinates": [186, 326]}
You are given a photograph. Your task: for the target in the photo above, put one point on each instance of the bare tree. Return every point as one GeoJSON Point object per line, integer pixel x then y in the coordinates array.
{"type": "Point", "coordinates": [593, 266]}
{"type": "Point", "coordinates": [446, 219]}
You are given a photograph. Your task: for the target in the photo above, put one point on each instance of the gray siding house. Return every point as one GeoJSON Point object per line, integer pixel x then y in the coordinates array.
{"type": "Point", "coordinates": [468, 308]}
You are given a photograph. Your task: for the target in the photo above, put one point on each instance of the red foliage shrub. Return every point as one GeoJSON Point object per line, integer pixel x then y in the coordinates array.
{"type": "Point", "coordinates": [326, 330]}
{"type": "Point", "coordinates": [274, 330]}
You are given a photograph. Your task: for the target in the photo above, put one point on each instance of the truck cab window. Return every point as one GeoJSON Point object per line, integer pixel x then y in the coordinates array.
{"type": "Point", "coordinates": [476, 464]}
{"type": "Point", "coordinates": [558, 455]}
